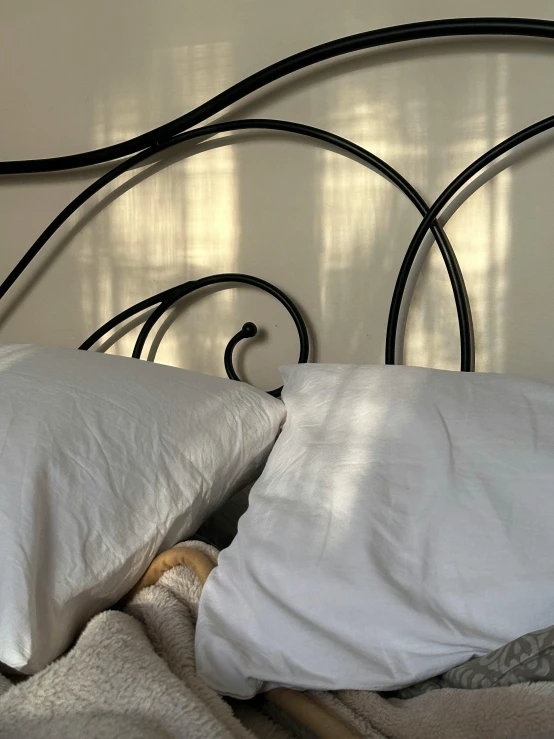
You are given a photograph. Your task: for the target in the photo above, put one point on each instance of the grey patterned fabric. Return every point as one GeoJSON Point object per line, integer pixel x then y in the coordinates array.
{"type": "Point", "coordinates": [528, 659]}
{"type": "Point", "coordinates": [415, 691]}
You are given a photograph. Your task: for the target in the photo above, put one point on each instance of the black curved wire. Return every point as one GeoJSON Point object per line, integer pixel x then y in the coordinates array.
{"type": "Point", "coordinates": [157, 140]}
{"type": "Point", "coordinates": [187, 288]}
{"type": "Point", "coordinates": [248, 331]}
{"type": "Point", "coordinates": [125, 315]}
{"type": "Point", "coordinates": [457, 183]}
{"type": "Point", "coordinates": [370, 39]}
{"type": "Point", "coordinates": [452, 266]}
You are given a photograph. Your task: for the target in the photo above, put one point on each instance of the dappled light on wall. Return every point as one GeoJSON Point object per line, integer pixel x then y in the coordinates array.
{"type": "Point", "coordinates": [480, 232]}
{"type": "Point", "coordinates": [365, 224]}
{"type": "Point", "coordinates": [178, 222]}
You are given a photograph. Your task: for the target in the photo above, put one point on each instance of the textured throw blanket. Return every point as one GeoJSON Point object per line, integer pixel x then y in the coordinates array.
{"type": "Point", "coordinates": [131, 675]}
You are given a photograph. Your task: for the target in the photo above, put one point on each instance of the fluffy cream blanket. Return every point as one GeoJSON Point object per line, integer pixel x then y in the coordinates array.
{"type": "Point", "coordinates": [131, 675]}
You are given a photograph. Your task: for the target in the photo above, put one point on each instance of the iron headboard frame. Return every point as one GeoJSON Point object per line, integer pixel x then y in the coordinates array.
{"type": "Point", "coordinates": [147, 145]}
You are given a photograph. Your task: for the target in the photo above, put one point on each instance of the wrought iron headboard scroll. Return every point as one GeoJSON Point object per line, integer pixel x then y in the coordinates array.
{"type": "Point", "coordinates": [178, 131]}
{"type": "Point", "coordinates": [167, 299]}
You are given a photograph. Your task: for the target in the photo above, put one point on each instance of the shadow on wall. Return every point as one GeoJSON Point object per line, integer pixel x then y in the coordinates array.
{"type": "Point", "coordinates": [328, 231]}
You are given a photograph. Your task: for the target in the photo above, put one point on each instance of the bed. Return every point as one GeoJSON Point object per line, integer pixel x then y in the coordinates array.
{"type": "Point", "coordinates": [325, 407]}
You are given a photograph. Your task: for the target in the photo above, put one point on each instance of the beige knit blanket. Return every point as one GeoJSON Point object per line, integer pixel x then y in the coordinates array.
{"type": "Point", "coordinates": [131, 675]}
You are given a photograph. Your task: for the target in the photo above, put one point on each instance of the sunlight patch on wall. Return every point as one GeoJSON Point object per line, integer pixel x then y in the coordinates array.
{"type": "Point", "coordinates": [356, 207]}
{"type": "Point", "coordinates": [480, 233]}
{"type": "Point", "coordinates": [178, 224]}
{"type": "Point", "coordinates": [365, 224]}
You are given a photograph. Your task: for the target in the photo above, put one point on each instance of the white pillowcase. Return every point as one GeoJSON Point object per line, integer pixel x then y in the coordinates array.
{"type": "Point", "coordinates": [104, 461]}
{"type": "Point", "coordinates": [403, 523]}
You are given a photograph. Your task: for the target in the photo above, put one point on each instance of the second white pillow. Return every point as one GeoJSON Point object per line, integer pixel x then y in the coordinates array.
{"type": "Point", "coordinates": [403, 524]}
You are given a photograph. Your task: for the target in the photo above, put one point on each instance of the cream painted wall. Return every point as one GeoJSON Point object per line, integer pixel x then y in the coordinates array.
{"type": "Point", "coordinates": [76, 76]}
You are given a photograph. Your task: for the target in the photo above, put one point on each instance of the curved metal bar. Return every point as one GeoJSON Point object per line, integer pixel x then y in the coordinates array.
{"type": "Point", "coordinates": [249, 329]}
{"type": "Point", "coordinates": [449, 27]}
{"type": "Point", "coordinates": [455, 274]}
{"type": "Point", "coordinates": [155, 316]}
{"type": "Point", "coordinates": [122, 317]}
{"type": "Point", "coordinates": [163, 136]}
{"type": "Point", "coordinates": [457, 183]}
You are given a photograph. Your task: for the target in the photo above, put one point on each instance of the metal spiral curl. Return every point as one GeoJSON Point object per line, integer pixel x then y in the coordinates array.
{"type": "Point", "coordinates": [167, 299]}
{"type": "Point", "coordinates": [248, 331]}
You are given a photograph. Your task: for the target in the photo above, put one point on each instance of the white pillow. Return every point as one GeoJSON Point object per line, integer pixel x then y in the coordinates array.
{"type": "Point", "coordinates": [403, 523]}
{"type": "Point", "coordinates": [104, 461]}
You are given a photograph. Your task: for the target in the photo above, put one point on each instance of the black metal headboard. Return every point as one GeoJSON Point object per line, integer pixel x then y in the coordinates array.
{"type": "Point", "coordinates": [181, 129]}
